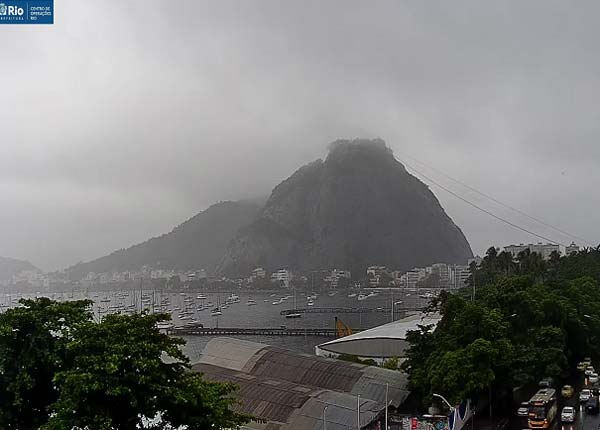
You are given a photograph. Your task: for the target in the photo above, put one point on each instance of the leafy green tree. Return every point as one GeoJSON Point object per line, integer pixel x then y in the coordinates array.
{"type": "Point", "coordinates": [33, 341]}
{"type": "Point", "coordinates": [59, 369]}
{"type": "Point", "coordinates": [530, 318]}
{"type": "Point", "coordinates": [124, 369]}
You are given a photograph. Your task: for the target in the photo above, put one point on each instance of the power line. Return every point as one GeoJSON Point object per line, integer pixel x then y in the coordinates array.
{"type": "Point", "coordinates": [482, 209]}
{"type": "Point", "coordinates": [572, 236]}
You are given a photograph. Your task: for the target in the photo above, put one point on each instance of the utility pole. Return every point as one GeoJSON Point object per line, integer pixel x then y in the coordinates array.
{"type": "Point", "coordinates": [387, 386]}
{"type": "Point", "coordinates": [358, 412]}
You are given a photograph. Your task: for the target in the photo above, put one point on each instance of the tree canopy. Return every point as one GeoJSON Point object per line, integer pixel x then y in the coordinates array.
{"type": "Point", "coordinates": [529, 318]}
{"type": "Point", "coordinates": [59, 369]}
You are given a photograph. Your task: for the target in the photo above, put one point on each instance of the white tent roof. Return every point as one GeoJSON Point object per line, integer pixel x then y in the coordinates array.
{"type": "Point", "coordinates": [384, 341]}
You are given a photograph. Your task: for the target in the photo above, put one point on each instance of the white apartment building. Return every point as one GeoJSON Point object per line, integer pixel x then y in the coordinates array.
{"type": "Point", "coordinates": [542, 249]}
{"type": "Point", "coordinates": [283, 277]}
{"type": "Point", "coordinates": [258, 273]}
{"type": "Point", "coordinates": [572, 248]}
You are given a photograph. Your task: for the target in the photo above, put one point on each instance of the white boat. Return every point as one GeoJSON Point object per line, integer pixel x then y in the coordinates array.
{"type": "Point", "coordinates": [310, 303]}
{"type": "Point", "coordinates": [332, 293]}
{"type": "Point", "coordinates": [216, 311]}
{"type": "Point", "coordinates": [251, 302]}
{"type": "Point", "coordinates": [164, 325]}
{"type": "Point", "coordinates": [351, 295]}
{"type": "Point", "coordinates": [373, 294]}
{"type": "Point", "coordinates": [201, 297]}
{"type": "Point", "coordinates": [361, 297]}
{"type": "Point", "coordinates": [293, 315]}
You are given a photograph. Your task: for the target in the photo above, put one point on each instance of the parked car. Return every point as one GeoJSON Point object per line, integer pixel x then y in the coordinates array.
{"type": "Point", "coordinates": [589, 370]}
{"type": "Point", "coordinates": [568, 414]}
{"type": "Point", "coordinates": [587, 361]}
{"type": "Point", "coordinates": [591, 407]}
{"type": "Point", "coordinates": [593, 378]}
{"type": "Point", "coordinates": [523, 409]}
{"type": "Point", "coordinates": [585, 395]}
{"type": "Point", "coordinates": [567, 391]}
{"type": "Point", "coordinates": [546, 382]}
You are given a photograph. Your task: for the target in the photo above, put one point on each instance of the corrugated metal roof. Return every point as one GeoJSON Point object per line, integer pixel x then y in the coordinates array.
{"type": "Point", "coordinates": [383, 341]}
{"type": "Point", "coordinates": [292, 389]}
{"type": "Point", "coordinates": [229, 353]}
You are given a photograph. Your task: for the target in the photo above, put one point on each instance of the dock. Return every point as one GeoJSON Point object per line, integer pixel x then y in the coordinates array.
{"type": "Point", "coordinates": [355, 310]}
{"type": "Point", "coordinates": [267, 331]}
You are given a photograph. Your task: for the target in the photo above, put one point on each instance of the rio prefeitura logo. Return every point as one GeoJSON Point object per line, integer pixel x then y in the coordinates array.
{"type": "Point", "coordinates": [3, 9]}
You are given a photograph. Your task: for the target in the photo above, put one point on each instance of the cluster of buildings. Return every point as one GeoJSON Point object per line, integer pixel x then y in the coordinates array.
{"type": "Point", "coordinates": [145, 272]}
{"type": "Point", "coordinates": [30, 277]}
{"type": "Point", "coordinates": [439, 275]}
{"type": "Point", "coordinates": [542, 249]}
{"type": "Point", "coordinates": [333, 278]}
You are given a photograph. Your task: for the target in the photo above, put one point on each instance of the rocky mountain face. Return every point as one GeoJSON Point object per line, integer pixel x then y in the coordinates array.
{"type": "Point", "coordinates": [357, 208]}
{"type": "Point", "coordinates": [10, 267]}
{"type": "Point", "coordinates": [199, 242]}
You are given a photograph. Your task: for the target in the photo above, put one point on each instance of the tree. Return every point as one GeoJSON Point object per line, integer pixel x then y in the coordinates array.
{"type": "Point", "coordinates": [529, 319]}
{"type": "Point", "coordinates": [117, 374]}
{"type": "Point", "coordinates": [33, 341]}
{"type": "Point", "coordinates": [59, 369]}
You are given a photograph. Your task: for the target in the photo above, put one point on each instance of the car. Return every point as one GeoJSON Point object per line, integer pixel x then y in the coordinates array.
{"type": "Point", "coordinates": [587, 361]}
{"type": "Point", "coordinates": [523, 409]}
{"type": "Point", "coordinates": [568, 414]}
{"type": "Point", "coordinates": [585, 395]}
{"type": "Point", "coordinates": [593, 378]}
{"type": "Point", "coordinates": [589, 370]}
{"type": "Point", "coordinates": [591, 406]}
{"type": "Point", "coordinates": [581, 366]}
{"type": "Point", "coordinates": [546, 382]}
{"type": "Point", "coordinates": [567, 391]}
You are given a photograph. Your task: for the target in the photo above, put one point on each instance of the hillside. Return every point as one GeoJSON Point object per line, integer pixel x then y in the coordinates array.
{"type": "Point", "coordinates": [357, 208]}
{"type": "Point", "coordinates": [197, 243]}
{"type": "Point", "coordinates": [10, 267]}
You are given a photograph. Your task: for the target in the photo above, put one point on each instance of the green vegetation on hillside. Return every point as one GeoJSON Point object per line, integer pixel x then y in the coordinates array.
{"type": "Point", "coordinates": [530, 318]}
{"type": "Point", "coordinates": [59, 370]}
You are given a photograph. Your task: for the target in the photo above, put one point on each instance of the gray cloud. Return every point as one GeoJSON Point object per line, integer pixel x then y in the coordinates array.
{"type": "Point", "coordinates": [125, 118]}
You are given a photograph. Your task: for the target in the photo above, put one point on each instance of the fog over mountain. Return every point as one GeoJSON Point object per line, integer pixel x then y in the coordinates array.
{"type": "Point", "coordinates": [115, 132]}
{"type": "Point", "coordinates": [10, 267]}
{"type": "Point", "coordinates": [358, 207]}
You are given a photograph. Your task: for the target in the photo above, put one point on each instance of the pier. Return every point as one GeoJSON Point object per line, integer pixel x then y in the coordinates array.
{"type": "Point", "coordinates": [355, 310]}
{"type": "Point", "coordinates": [235, 331]}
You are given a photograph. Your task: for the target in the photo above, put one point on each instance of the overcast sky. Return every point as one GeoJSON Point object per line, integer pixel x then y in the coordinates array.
{"type": "Point", "coordinates": [125, 118]}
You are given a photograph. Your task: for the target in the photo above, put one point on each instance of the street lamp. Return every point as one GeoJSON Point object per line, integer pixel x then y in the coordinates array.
{"type": "Point", "coordinates": [439, 396]}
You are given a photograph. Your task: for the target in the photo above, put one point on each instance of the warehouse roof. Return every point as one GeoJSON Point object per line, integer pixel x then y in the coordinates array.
{"type": "Point", "coordinates": [384, 341]}
{"type": "Point", "coordinates": [290, 390]}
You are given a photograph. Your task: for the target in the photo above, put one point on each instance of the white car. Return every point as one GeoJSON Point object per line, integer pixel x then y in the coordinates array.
{"type": "Point", "coordinates": [568, 414]}
{"type": "Point", "coordinates": [593, 378]}
{"type": "Point", "coordinates": [585, 395]}
{"type": "Point", "coordinates": [589, 370]}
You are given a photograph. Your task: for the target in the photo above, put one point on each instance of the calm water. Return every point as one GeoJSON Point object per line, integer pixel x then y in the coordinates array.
{"type": "Point", "coordinates": [263, 314]}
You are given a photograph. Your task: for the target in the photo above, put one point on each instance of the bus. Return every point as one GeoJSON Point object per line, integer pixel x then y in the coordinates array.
{"type": "Point", "coordinates": [542, 409]}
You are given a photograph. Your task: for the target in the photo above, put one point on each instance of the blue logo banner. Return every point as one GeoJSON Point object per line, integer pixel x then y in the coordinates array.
{"type": "Point", "coordinates": [26, 11]}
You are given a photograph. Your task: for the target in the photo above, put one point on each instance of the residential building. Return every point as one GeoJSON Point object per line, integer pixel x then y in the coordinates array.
{"type": "Point", "coordinates": [283, 277]}
{"type": "Point", "coordinates": [258, 273]}
{"type": "Point", "coordinates": [544, 250]}
{"type": "Point", "coordinates": [572, 248]}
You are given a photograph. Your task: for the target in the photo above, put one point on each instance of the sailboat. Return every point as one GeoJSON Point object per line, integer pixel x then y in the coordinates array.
{"type": "Point", "coordinates": [217, 310]}
{"type": "Point", "coordinates": [295, 313]}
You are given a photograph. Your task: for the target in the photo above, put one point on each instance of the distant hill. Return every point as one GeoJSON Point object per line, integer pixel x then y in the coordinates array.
{"type": "Point", "coordinates": [199, 242]}
{"type": "Point", "coordinates": [10, 267]}
{"type": "Point", "coordinates": [357, 208]}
